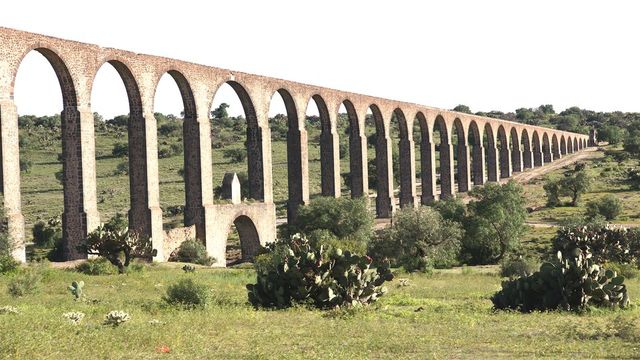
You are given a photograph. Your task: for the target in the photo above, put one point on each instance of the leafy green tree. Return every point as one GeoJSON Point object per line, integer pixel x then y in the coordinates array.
{"type": "Point", "coordinates": [553, 191]}
{"type": "Point", "coordinates": [608, 207]}
{"type": "Point", "coordinates": [495, 222]}
{"type": "Point", "coordinates": [612, 134]}
{"type": "Point", "coordinates": [235, 155]}
{"type": "Point", "coordinates": [425, 239]}
{"type": "Point", "coordinates": [220, 112]}
{"type": "Point", "coordinates": [463, 109]}
{"type": "Point", "coordinates": [575, 184]}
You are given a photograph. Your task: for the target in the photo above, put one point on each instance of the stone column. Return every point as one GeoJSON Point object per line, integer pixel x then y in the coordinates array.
{"type": "Point", "coordinates": [139, 217]}
{"type": "Point", "coordinates": [505, 161]}
{"type": "Point", "coordinates": [154, 212]}
{"type": "Point", "coordinates": [259, 161]}
{"type": "Point", "coordinates": [446, 171]}
{"type": "Point", "coordinates": [384, 167]}
{"type": "Point", "coordinates": [464, 176]}
{"type": "Point", "coordinates": [358, 163]}
{"type": "Point", "coordinates": [298, 173]}
{"type": "Point", "coordinates": [330, 160]}
{"type": "Point", "coordinates": [407, 170]}
{"type": "Point", "coordinates": [478, 165]}
{"type": "Point", "coordinates": [10, 153]}
{"type": "Point", "coordinates": [427, 171]}
{"type": "Point", "coordinates": [492, 162]}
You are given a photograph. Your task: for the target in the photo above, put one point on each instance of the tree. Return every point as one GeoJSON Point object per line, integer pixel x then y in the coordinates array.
{"type": "Point", "coordinates": [120, 150]}
{"type": "Point", "coordinates": [495, 222]}
{"type": "Point", "coordinates": [575, 184]}
{"type": "Point", "coordinates": [608, 207]}
{"type": "Point", "coordinates": [553, 191]}
{"type": "Point", "coordinates": [235, 155]}
{"type": "Point", "coordinates": [220, 112]}
{"type": "Point", "coordinates": [463, 109]}
{"type": "Point", "coordinates": [425, 239]}
{"type": "Point", "coordinates": [612, 134]}
{"type": "Point", "coordinates": [632, 140]}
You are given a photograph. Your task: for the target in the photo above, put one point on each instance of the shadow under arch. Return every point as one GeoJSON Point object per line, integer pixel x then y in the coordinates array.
{"type": "Point", "coordinates": [249, 238]}
{"type": "Point", "coordinates": [527, 154]}
{"type": "Point", "coordinates": [516, 150]}
{"type": "Point", "coordinates": [474, 139]}
{"type": "Point", "coordinates": [491, 153]}
{"type": "Point", "coordinates": [357, 155]}
{"type": "Point", "coordinates": [329, 186]}
{"type": "Point", "coordinates": [406, 161]}
{"type": "Point", "coordinates": [504, 153]}
{"type": "Point", "coordinates": [462, 172]}
{"type": "Point", "coordinates": [538, 159]}
{"type": "Point", "coordinates": [384, 166]}
{"type": "Point", "coordinates": [427, 162]}
{"type": "Point", "coordinates": [444, 150]}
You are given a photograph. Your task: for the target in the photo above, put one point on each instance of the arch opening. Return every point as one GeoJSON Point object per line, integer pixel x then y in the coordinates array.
{"type": "Point", "coordinates": [443, 158]}
{"type": "Point", "coordinates": [243, 241]}
{"type": "Point", "coordinates": [477, 168]}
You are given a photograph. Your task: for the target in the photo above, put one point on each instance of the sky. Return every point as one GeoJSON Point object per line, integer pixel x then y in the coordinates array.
{"type": "Point", "coordinates": [489, 55]}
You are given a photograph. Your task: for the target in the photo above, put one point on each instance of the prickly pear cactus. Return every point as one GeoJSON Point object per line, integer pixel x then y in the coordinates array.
{"type": "Point", "coordinates": [292, 272]}
{"type": "Point", "coordinates": [76, 289]}
{"type": "Point", "coordinates": [574, 283]}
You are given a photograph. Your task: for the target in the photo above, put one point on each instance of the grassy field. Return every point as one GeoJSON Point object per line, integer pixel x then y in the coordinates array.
{"type": "Point", "coordinates": [445, 315]}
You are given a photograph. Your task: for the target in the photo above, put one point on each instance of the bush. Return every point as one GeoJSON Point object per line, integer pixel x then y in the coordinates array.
{"type": "Point", "coordinates": [99, 266]}
{"type": "Point", "coordinates": [122, 168]}
{"type": "Point", "coordinates": [188, 294]}
{"type": "Point", "coordinates": [235, 155]}
{"type": "Point", "coordinates": [574, 283]}
{"type": "Point", "coordinates": [8, 264]}
{"type": "Point", "coordinates": [629, 271]}
{"type": "Point", "coordinates": [608, 207]}
{"type": "Point", "coordinates": [346, 219]}
{"type": "Point", "coordinates": [26, 282]}
{"type": "Point", "coordinates": [47, 234]}
{"type": "Point", "coordinates": [25, 165]}
{"type": "Point", "coordinates": [169, 128]}
{"type": "Point", "coordinates": [193, 251]}
{"type": "Point", "coordinates": [293, 272]}
{"type": "Point", "coordinates": [451, 209]}
{"type": "Point", "coordinates": [518, 267]}
{"type": "Point", "coordinates": [552, 190]}
{"type": "Point", "coordinates": [329, 242]}
{"type": "Point", "coordinates": [425, 239]}
{"type": "Point", "coordinates": [494, 224]}
{"type": "Point", "coordinates": [120, 150]}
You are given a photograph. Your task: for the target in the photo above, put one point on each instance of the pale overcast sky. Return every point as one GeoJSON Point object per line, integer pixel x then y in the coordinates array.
{"type": "Point", "coordinates": [490, 55]}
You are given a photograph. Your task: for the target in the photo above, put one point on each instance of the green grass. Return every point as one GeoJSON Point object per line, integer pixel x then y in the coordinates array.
{"type": "Point", "coordinates": [446, 315]}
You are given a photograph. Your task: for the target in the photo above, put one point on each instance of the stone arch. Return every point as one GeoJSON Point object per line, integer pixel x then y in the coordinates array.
{"type": "Point", "coordinates": [329, 148]}
{"type": "Point", "coordinates": [491, 153]}
{"type": "Point", "coordinates": [474, 139]}
{"type": "Point", "coordinates": [139, 214]}
{"type": "Point", "coordinates": [384, 166]}
{"type": "Point", "coordinates": [194, 209]}
{"type": "Point", "coordinates": [461, 157]}
{"type": "Point", "coordinates": [255, 166]}
{"type": "Point", "coordinates": [295, 185]}
{"type": "Point", "coordinates": [538, 159]}
{"type": "Point", "coordinates": [516, 150]}
{"type": "Point", "coordinates": [555, 147]}
{"type": "Point", "coordinates": [446, 158]}
{"type": "Point", "coordinates": [504, 153]}
{"type": "Point", "coordinates": [527, 153]}
{"type": "Point", "coordinates": [78, 215]}
{"type": "Point", "coordinates": [406, 160]}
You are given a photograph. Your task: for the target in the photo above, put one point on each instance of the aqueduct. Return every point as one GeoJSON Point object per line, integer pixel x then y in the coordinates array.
{"type": "Point", "coordinates": [471, 149]}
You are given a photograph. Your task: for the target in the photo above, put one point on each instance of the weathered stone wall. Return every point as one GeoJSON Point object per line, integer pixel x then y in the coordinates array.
{"type": "Point", "coordinates": [76, 65]}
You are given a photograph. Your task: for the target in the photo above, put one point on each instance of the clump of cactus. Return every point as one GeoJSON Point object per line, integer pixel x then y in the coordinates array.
{"type": "Point", "coordinates": [574, 283]}
{"type": "Point", "coordinates": [116, 318]}
{"type": "Point", "coordinates": [293, 272]}
{"type": "Point", "coordinates": [74, 317]}
{"type": "Point", "coordinates": [189, 268]}
{"type": "Point", "coordinates": [76, 289]}
{"type": "Point", "coordinates": [8, 309]}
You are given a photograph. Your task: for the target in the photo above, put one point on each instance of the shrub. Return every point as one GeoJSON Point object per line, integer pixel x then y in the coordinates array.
{"type": "Point", "coordinates": [47, 234]}
{"type": "Point", "coordinates": [116, 318]}
{"type": "Point", "coordinates": [193, 251]}
{"type": "Point", "coordinates": [74, 317]}
{"type": "Point", "coordinates": [425, 239]}
{"type": "Point", "coordinates": [608, 207]}
{"type": "Point", "coordinates": [633, 178]}
{"type": "Point", "coordinates": [188, 294]}
{"type": "Point", "coordinates": [99, 266]}
{"type": "Point", "coordinates": [7, 262]}
{"type": "Point", "coordinates": [518, 267]}
{"type": "Point", "coordinates": [574, 283]}
{"type": "Point", "coordinates": [575, 183]}
{"type": "Point", "coordinates": [235, 155]}
{"type": "Point", "coordinates": [345, 218]}
{"type": "Point", "coordinates": [552, 190]}
{"type": "Point", "coordinates": [169, 128]}
{"type": "Point", "coordinates": [25, 282]}
{"type": "Point", "coordinates": [120, 150]}
{"type": "Point", "coordinates": [451, 209]}
{"type": "Point", "coordinates": [122, 168]}
{"type": "Point", "coordinates": [329, 242]}
{"type": "Point", "coordinates": [25, 165]}
{"type": "Point", "coordinates": [293, 272]}
{"type": "Point", "coordinates": [629, 271]}
{"type": "Point", "coordinates": [494, 224]}
{"type": "Point", "coordinates": [117, 244]}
